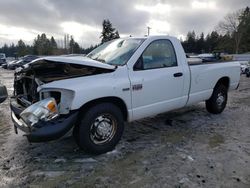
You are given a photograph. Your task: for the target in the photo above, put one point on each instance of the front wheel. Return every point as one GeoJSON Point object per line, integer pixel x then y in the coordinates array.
{"type": "Point", "coordinates": [100, 129]}
{"type": "Point", "coordinates": [218, 101]}
{"type": "Point", "coordinates": [248, 72]}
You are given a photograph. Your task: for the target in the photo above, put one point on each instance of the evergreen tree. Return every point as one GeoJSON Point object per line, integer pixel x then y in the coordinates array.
{"type": "Point", "coordinates": [53, 43]}
{"type": "Point", "coordinates": [190, 43]}
{"type": "Point", "coordinates": [53, 46]}
{"type": "Point", "coordinates": [200, 44]}
{"type": "Point", "coordinates": [214, 41]}
{"type": "Point", "coordinates": [116, 35]}
{"type": "Point", "coordinates": [108, 32]}
{"type": "Point", "coordinates": [74, 46]}
{"type": "Point", "coordinates": [21, 48]}
{"type": "Point", "coordinates": [226, 44]}
{"type": "Point", "coordinates": [244, 26]}
{"type": "Point", "coordinates": [89, 49]}
{"type": "Point", "coordinates": [42, 45]}
{"type": "Point", "coordinates": [5, 49]}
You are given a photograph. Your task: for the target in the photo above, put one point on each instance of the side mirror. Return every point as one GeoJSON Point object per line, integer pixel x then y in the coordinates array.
{"type": "Point", "coordinates": [139, 64]}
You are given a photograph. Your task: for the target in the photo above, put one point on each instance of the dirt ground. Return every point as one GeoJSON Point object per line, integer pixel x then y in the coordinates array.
{"type": "Point", "coordinates": [182, 148]}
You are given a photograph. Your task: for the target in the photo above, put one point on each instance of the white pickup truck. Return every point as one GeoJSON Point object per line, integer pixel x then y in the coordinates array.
{"type": "Point", "coordinates": [121, 80]}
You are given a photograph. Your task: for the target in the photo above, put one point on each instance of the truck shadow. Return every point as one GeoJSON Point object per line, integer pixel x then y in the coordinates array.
{"type": "Point", "coordinates": [141, 140]}
{"type": "Point", "coordinates": [172, 128]}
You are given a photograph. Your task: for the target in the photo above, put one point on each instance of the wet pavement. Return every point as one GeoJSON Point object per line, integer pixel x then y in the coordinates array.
{"type": "Point", "coordinates": [183, 148]}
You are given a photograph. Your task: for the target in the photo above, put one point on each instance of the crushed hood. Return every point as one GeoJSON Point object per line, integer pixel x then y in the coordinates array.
{"type": "Point", "coordinates": [48, 69]}
{"type": "Point", "coordinates": [78, 60]}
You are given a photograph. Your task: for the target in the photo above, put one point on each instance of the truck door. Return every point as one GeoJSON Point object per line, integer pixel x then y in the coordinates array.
{"type": "Point", "coordinates": [156, 80]}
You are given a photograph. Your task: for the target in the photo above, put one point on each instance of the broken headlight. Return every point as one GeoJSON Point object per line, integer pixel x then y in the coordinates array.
{"type": "Point", "coordinates": [63, 97]}
{"type": "Point", "coordinates": [43, 110]}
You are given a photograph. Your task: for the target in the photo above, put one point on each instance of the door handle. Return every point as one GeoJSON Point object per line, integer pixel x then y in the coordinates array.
{"type": "Point", "coordinates": [178, 74]}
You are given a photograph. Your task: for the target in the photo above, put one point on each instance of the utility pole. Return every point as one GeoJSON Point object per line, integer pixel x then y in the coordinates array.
{"type": "Point", "coordinates": [65, 41]}
{"type": "Point", "coordinates": [149, 30]}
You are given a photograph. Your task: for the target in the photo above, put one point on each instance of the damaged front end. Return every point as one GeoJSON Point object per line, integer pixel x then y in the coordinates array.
{"type": "Point", "coordinates": [45, 114]}
{"type": "Point", "coordinates": [41, 121]}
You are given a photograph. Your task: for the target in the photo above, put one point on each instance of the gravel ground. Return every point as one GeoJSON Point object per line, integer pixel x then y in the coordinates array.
{"type": "Point", "coordinates": [182, 148]}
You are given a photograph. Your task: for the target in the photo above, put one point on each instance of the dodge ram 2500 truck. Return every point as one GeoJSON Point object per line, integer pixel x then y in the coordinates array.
{"type": "Point", "coordinates": [121, 80]}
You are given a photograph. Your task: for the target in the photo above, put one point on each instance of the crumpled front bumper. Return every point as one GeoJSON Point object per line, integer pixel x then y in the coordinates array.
{"type": "Point", "coordinates": [43, 130]}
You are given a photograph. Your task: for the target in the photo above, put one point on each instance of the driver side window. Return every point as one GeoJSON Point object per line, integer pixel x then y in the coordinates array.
{"type": "Point", "coordinates": [158, 54]}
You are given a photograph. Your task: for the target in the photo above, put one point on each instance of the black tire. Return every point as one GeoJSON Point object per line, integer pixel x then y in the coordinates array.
{"type": "Point", "coordinates": [247, 71]}
{"type": "Point", "coordinates": [218, 101]}
{"type": "Point", "coordinates": [100, 129]}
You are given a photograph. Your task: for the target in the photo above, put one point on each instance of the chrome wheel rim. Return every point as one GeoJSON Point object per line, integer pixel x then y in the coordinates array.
{"type": "Point", "coordinates": [103, 129]}
{"type": "Point", "coordinates": [220, 100]}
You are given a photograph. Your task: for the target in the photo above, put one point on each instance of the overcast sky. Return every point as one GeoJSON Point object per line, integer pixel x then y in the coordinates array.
{"type": "Point", "coordinates": [24, 19]}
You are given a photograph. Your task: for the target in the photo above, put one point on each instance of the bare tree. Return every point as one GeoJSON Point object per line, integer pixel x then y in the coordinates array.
{"type": "Point", "coordinates": [230, 25]}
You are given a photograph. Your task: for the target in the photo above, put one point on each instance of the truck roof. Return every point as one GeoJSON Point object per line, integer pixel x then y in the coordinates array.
{"type": "Point", "coordinates": [155, 37]}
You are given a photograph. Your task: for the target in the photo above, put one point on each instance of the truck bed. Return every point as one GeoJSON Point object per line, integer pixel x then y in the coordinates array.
{"type": "Point", "coordinates": [204, 77]}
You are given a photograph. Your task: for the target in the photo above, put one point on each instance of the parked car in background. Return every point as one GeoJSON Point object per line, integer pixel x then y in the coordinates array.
{"type": "Point", "coordinates": [206, 57]}
{"type": "Point", "coordinates": [5, 65]}
{"type": "Point", "coordinates": [3, 93]}
{"type": "Point", "coordinates": [11, 65]}
{"type": "Point", "coordinates": [243, 66]}
{"type": "Point", "coordinates": [2, 58]}
{"type": "Point", "coordinates": [19, 63]}
{"type": "Point", "coordinates": [215, 57]}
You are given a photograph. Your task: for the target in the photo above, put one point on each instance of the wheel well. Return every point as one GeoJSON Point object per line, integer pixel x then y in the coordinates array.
{"type": "Point", "coordinates": [114, 100]}
{"type": "Point", "coordinates": [224, 81]}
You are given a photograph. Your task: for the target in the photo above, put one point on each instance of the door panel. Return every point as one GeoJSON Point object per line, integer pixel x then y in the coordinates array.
{"type": "Point", "coordinates": [160, 91]}
{"type": "Point", "coordinates": [157, 83]}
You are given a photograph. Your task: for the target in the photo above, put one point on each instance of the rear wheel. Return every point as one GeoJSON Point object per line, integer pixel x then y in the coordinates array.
{"type": "Point", "coordinates": [100, 129]}
{"type": "Point", "coordinates": [217, 102]}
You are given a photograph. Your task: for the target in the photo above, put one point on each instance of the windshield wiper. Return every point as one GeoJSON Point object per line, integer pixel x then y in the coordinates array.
{"type": "Point", "coordinates": [101, 60]}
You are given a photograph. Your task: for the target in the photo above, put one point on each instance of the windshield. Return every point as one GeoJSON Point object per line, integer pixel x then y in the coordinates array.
{"type": "Point", "coordinates": [116, 52]}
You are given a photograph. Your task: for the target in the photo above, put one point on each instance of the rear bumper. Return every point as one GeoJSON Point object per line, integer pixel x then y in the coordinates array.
{"type": "Point", "coordinates": [43, 130]}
